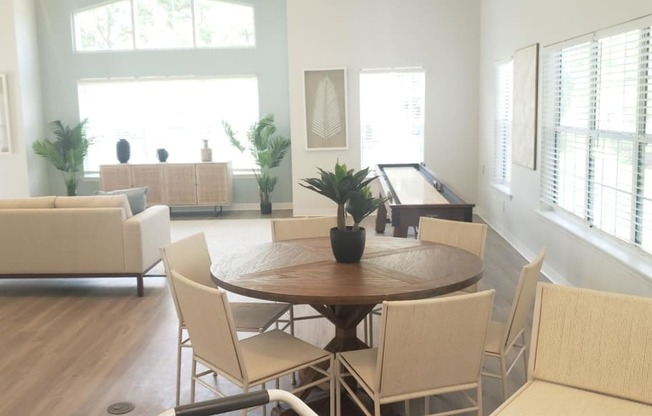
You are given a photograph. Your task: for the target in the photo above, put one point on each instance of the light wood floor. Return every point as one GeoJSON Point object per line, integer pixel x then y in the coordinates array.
{"type": "Point", "coordinates": [73, 347]}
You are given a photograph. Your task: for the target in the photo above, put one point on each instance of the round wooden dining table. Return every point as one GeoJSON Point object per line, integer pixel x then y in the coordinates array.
{"type": "Point", "coordinates": [304, 271]}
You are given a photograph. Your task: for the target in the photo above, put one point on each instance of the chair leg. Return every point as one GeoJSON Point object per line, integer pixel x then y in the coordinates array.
{"type": "Point", "coordinates": [503, 376]}
{"type": "Point", "coordinates": [338, 388]}
{"type": "Point", "coordinates": [479, 397]}
{"type": "Point", "coordinates": [371, 329]}
{"type": "Point", "coordinates": [525, 357]}
{"type": "Point", "coordinates": [192, 380]}
{"type": "Point", "coordinates": [179, 348]}
{"type": "Point", "coordinates": [332, 389]}
{"type": "Point", "coordinates": [406, 406]}
{"type": "Point", "coordinates": [293, 377]}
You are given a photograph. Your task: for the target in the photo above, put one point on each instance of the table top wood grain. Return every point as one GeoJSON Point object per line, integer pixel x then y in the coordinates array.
{"type": "Point", "coordinates": [305, 272]}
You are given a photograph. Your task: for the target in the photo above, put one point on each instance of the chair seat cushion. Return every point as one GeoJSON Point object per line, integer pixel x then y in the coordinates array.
{"type": "Point", "coordinates": [363, 363]}
{"type": "Point", "coordinates": [275, 352]}
{"type": "Point", "coordinates": [495, 332]}
{"type": "Point", "coordinates": [256, 316]}
{"type": "Point", "coordinates": [540, 398]}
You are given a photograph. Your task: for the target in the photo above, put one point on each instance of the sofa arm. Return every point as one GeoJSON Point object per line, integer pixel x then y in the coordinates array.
{"type": "Point", "coordinates": [144, 234]}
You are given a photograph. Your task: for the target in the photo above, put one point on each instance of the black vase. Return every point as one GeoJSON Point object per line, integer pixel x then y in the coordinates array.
{"type": "Point", "coordinates": [348, 245]}
{"type": "Point", "coordinates": [266, 208]}
{"type": "Point", "coordinates": [162, 155]}
{"type": "Point", "coordinates": [123, 150]}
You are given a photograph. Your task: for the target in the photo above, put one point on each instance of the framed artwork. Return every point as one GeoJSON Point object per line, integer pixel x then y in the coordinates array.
{"type": "Point", "coordinates": [524, 126]}
{"type": "Point", "coordinates": [325, 105]}
{"type": "Point", "coordinates": [5, 138]}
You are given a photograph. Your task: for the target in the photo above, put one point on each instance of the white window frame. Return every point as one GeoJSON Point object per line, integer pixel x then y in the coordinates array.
{"type": "Point", "coordinates": [392, 158]}
{"type": "Point", "coordinates": [578, 133]}
{"type": "Point", "coordinates": [143, 149]}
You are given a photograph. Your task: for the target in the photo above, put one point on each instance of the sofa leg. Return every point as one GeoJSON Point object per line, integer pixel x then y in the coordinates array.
{"type": "Point", "coordinates": [140, 286]}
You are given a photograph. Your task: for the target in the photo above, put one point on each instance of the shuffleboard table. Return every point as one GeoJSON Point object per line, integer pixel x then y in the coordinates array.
{"type": "Point", "coordinates": [413, 192]}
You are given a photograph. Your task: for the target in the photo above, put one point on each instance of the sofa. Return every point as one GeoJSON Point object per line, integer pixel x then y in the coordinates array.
{"type": "Point", "coordinates": [591, 354]}
{"type": "Point", "coordinates": [82, 236]}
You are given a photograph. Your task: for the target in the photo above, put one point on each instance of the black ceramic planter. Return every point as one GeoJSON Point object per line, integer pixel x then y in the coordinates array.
{"type": "Point", "coordinates": [123, 150]}
{"type": "Point", "coordinates": [265, 208]}
{"type": "Point", "coordinates": [348, 246]}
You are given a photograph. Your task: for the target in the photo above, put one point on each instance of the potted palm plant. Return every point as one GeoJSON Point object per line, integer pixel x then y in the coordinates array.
{"type": "Point", "coordinates": [268, 150]}
{"type": "Point", "coordinates": [66, 152]}
{"type": "Point", "coordinates": [351, 192]}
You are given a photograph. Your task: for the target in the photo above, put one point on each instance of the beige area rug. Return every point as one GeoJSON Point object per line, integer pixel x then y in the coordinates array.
{"type": "Point", "coordinates": [222, 235]}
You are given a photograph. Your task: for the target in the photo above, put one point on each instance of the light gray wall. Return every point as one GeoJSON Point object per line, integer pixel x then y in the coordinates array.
{"type": "Point", "coordinates": [441, 36]}
{"type": "Point", "coordinates": [507, 25]}
{"type": "Point", "coordinates": [21, 175]}
{"type": "Point", "coordinates": [61, 68]}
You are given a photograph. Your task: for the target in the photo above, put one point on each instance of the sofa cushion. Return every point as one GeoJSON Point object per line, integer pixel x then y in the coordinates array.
{"type": "Point", "coordinates": [137, 197]}
{"type": "Point", "coordinates": [35, 202]}
{"type": "Point", "coordinates": [105, 201]}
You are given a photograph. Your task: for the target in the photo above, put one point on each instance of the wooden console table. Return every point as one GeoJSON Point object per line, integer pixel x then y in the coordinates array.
{"type": "Point", "coordinates": [173, 184]}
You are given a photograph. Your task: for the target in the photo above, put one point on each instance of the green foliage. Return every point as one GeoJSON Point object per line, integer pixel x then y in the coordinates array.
{"type": "Point", "coordinates": [342, 184]}
{"type": "Point", "coordinates": [66, 152]}
{"type": "Point", "coordinates": [267, 148]}
{"type": "Point", "coordinates": [361, 204]}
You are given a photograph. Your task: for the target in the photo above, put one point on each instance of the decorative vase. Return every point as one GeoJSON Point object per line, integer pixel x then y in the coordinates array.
{"type": "Point", "coordinates": [162, 155]}
{"type": "Point", "coordinates": [265, 208]}
{"type": "Point", "coordinates": [348, 245]}
{"type": "Point", "coordinates": [123, 150]}
{"type": "Point", "coordinates": [206, 153]}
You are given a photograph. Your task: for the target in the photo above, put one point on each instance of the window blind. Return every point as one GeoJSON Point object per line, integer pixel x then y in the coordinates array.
{"type": "Point", "coordinates": [596, 131]}
{"type": "Point", "coordinates": [502, 167]}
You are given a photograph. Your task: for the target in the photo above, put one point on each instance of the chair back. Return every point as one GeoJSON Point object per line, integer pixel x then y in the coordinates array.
{"type": "Point", "coordinates": [429, 344]}
{"type": "Point", "coordinates": [593, 340]}
{"type": "Point", "coordinates": [210, 326]}
{"type": "Point", "coordinates": [523, 300]}
{"type": "Point", "coordinates": [284, 229]}
{"type": "Point", "coordinates": [470, 236]}
{"type": "Point", "coordinates": [189, 256]}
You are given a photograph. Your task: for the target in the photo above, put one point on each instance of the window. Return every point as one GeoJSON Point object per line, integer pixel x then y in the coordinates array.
{"type": "Point", "coordinates": [597, 130]}
{"type": "Point", "coordinates": [502, 172]}
{"type": "Point", "coordinates": [164, 24]}
{"type": "Point", "coordinates": [175, 114]}
{"type": "Point", "coordinates": [392, 105]}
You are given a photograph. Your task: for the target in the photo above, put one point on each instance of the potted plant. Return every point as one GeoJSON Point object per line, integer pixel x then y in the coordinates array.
{"type": "Point", "coordinates": [351, 192]}
{"type": "Point", "coordinates": [268, 150]}
{"type": "Point", "coordinates": [66, 152]}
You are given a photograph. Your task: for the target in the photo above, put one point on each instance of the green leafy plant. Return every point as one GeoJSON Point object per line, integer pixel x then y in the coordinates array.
{"type": "Point", "coordinates": [66, 152]}
{"type": "Point", "coordinates": [349, 190]}
{"type": "Point", "coordinates": [267, 148]}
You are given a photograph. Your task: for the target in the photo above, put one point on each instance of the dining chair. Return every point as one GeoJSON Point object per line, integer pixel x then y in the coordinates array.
{"type": "Point", "coordinates": [427, 347]}
{"type": "Point", "coordinates": [469, 236]}
{"type": "Point", "coordinates": [286, 229]}
{"type": "Point", "coordinates": [190, 257]}
{"type": "Point", "coordinates": [246, 363]}
{"type": "Point", "coordinates": [503, 337]}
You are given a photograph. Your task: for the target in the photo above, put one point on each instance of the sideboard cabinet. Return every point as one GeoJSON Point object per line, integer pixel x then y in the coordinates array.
{"type": "Point", "coordinates": [173, 184]}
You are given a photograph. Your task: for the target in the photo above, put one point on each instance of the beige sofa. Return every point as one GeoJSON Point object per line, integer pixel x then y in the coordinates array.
{"type": "Point", "coordinates": [84, 236]}
{"type": "Point", "coordinates": [591, 356]}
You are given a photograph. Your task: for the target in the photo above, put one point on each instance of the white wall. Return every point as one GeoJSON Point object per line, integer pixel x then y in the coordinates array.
{"type": "Point", "coordinates": [440, 36]}
{"type": "Point", "coordinates": [20, 174]}
{"type": "Point", "coordinates": [507, 25]}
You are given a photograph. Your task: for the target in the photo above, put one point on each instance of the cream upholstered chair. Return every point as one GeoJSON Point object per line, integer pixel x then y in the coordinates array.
{"type": "Point", "coordinates": [590, 354]}
{"type": "Point", "coordinates": [190, 257]}
{"type": "Point", "coordinates": [247, 363]}
{"type": "Point", "coordinates": [284, 229]}
{"type": "Point", "coordinates": [427, 347]}
{"type": "Point", "coordinates": [504, 337]}
{"type": "Point", "coordinates": [469, 236]}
